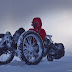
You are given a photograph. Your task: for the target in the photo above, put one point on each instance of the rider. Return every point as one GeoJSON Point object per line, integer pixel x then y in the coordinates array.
{"type": "Point", "coordinates": [37, 24]}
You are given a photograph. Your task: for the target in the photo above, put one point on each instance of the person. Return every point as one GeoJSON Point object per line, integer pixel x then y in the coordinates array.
{"type": "Point", "coordinates": [37, 27]}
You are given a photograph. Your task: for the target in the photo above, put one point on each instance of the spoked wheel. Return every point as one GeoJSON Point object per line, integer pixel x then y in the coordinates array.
{"type": "Point", "coordinates": [31, 47]}
{"type": "Point", "coordinates": [6, 57]}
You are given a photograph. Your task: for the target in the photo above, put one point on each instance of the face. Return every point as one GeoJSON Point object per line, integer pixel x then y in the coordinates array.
{"type": "Point", "coordinates": [34, 24]}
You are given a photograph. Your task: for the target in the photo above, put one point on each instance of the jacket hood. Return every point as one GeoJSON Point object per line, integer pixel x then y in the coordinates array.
{"type": "Point", "coordinates": [38, 21]}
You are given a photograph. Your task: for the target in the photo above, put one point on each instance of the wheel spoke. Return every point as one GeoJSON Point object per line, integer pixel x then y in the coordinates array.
{"type": "Point", "coordinates": [31, 56]}
{"type": "Point", "coordinates": [26, 42]}
{"type": "Point", "coordinates": [34, 41]}
{"type": "Point", "coordinates": [28, 55]}
{"type": "Point", "coordinates": [36, 54]}
{"type": "Point", "coordinates": [26, 52]}
{"type": "Point", "coordinates": [36, 48]}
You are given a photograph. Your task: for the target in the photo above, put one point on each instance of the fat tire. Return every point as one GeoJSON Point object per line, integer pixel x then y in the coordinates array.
{"type": "Point", "coordinates": [9, 60]}
{"type": "Point", "coordinates": [20, 47]}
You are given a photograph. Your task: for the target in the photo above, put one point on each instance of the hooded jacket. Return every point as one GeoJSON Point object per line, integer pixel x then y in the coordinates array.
{"type": "Point", "coordinates": [38, 28]}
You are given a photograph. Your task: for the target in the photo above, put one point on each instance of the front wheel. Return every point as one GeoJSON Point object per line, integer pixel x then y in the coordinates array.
{"type": "Point", "coordinates": [6, 57]}
{"type": "Point", "coordinates": [31, 47]}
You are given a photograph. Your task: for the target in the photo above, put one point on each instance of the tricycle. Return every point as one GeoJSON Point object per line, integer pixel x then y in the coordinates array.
{"type": "Point", "coordinates": [29, 47]}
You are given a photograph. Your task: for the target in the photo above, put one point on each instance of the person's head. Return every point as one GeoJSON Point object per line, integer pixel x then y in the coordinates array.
{"type": "Point", "coordinates": [37, 23]}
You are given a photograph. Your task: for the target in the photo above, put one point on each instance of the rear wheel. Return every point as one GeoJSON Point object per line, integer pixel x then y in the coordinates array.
{"type": "Point", "coordinates": [31, 47]}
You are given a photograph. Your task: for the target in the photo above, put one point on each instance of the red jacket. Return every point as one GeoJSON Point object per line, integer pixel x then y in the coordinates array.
{"type": "Point", "coordinates": [41, 32]}
{"type": "Point", "coordinates": [38, 28]}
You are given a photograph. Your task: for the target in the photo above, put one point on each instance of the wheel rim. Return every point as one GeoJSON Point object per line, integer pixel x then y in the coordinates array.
{"type": "Point", "coordinates": [5, 56]}
{"type": "Point", "coordinates": [32, 48]}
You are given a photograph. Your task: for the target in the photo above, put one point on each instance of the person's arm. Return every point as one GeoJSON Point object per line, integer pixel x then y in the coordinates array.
{"type": "Point", "coordinates": [42, 34]}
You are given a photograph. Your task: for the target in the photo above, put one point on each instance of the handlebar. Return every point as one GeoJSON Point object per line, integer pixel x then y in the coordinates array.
{"type": "Point", "coordinates": [49, 36]}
